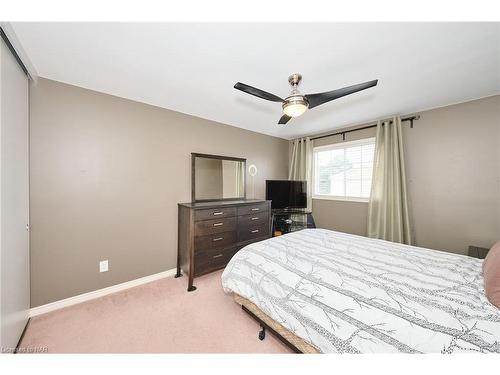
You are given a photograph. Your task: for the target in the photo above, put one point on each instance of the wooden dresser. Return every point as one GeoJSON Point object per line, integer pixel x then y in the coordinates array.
{"type": "Point", "coordinates": [478, 252]}
{"type": "Point", "coordinates": [210, 233]}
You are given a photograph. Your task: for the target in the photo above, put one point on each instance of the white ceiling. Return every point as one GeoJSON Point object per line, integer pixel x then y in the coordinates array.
{"type": "Point", "coordinates": [191, 68]}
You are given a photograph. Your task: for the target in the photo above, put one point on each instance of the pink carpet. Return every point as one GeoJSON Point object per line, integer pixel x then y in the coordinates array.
{"type": "Point", "coordinates": [159, 317]}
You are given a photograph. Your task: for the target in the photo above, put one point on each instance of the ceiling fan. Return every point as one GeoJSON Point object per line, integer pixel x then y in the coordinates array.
{"type": "Point", "coordinates": [296, 104]}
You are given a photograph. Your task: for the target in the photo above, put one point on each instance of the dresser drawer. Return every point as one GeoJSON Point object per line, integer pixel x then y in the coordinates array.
{"type": "Point", "coordinates": [253, 220]}
{"type": "Point", "coordinates": [213, 259]}
{"type": "Point", "coordinates": [252, 209]}
{"type": "Point", "coordinates": [253, 232]}
{"type": "Point", "coordinates": [216, 240]}
{"type": "Point", "coordinates": [203, 228]}
{"type": "Point", "coordinates": [214, 213]}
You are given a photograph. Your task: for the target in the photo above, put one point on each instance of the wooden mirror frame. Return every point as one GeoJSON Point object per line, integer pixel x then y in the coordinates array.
{"type": "Point", "coordinates": [195, 155]}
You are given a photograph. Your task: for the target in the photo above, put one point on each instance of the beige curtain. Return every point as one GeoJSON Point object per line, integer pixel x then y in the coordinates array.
{"type": "Point", "coordinates": [301, 165]}
{"type": "Point", "coordinates": [388, 217]}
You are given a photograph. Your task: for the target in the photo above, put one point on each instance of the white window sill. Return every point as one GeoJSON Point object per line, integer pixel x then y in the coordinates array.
{"type": "Point", "coordinates": [343, 199]}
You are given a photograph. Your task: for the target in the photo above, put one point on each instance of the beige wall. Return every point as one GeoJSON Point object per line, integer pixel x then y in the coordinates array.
{"type": "Point", "coordinates": [106, 176]}
{"type": "Point", "coordinates": [453, 169]}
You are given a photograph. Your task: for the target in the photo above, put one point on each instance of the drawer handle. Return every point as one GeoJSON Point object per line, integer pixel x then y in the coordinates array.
{"type": "Point", "coordinates": [254, 231]}
{"type": "Point", "coordinates": [218, 213]}
{"type": "Point", "coordinates": [254, 218]}
{"type": "Point", "coordinates": [217, 256]}
{"type": "Point", "coordinates": [217, 239]}
{"type": "Point", "coordinates": [218, 224]}
{"type": "Point", "coordinates": [255, 209]}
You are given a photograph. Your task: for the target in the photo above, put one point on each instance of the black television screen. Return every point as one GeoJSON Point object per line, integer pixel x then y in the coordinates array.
{"type": "Point", "coordinates": [286, 194]}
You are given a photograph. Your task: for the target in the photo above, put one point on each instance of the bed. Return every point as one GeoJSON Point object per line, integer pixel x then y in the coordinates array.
{"type": "Point", "coordinates": [332, 292]}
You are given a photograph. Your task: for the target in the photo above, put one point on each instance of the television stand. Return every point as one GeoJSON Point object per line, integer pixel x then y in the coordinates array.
{"type": "Point", "coordinates": [286, 221]}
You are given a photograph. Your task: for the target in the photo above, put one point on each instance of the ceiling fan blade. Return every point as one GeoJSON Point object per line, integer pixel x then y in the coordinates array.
{"type": "Point", "coordinates": [284, 119]}
{"type": "Point", "coordinates": [324, 97]}
{"type": "Point", "coordinates": [257, 92]}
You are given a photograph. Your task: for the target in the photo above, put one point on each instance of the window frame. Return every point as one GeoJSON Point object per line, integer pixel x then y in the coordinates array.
{"type": "Point", "coordinates": [336, 146]}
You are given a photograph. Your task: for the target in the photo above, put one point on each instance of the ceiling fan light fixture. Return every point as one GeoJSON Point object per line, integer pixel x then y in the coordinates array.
{"type": "Point", "coordinates": [295, 106]}
{"type": "Point", "coordinates": [296, 103]}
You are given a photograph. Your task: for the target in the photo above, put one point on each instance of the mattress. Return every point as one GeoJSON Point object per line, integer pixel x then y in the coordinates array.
{"type": "Point", "coordinates": [343, 293]}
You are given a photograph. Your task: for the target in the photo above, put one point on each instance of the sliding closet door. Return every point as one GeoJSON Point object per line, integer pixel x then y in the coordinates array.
{"type": "Point", "coordinates": [14, 235]}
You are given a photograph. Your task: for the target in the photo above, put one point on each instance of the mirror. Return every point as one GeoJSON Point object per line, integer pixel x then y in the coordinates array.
{"type": "Point", "coordinates": [217, 178]}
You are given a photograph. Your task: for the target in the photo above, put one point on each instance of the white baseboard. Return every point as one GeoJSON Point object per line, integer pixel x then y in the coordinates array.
{"type": "Point", "coordinates": [98, 293]}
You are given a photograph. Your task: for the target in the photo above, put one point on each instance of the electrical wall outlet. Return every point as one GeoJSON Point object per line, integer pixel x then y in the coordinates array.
{"type": "Point", "coordinates": [103, 266]}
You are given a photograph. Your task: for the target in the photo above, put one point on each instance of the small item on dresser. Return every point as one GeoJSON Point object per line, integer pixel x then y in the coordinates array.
{"type": "Point", "coordinates": [491, 274]}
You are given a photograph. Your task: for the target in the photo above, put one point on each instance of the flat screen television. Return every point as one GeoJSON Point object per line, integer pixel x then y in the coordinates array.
{"type": "Point", "coordinates": [286, 194]}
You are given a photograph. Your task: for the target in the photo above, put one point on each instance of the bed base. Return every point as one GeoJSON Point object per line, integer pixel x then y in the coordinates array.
{"type": "Point", "coordinates": [264, 326]}
{"type": "Point", "coordinates": [288, 338]}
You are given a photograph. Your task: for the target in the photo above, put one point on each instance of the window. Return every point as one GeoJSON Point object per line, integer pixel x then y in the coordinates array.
{"type": "Point", "coordinates": [344, 171]}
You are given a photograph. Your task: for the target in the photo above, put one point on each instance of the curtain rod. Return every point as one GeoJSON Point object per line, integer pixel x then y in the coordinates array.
{"type": "Point", "coordinates": [343, 133]}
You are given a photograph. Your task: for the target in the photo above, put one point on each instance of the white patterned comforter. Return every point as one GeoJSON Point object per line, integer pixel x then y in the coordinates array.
{"type": "Point", "coordinates": [350, 294]}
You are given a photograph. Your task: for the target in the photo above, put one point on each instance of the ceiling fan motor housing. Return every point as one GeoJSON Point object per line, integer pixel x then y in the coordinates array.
{"type": "Point", "coordinates": [295, 79]}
